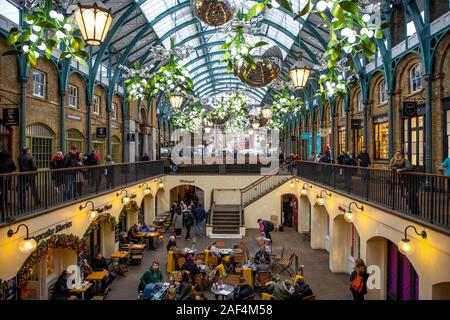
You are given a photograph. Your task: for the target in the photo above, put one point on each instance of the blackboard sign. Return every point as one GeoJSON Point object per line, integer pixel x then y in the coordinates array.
{"type": "Point", "coordinates": [356, 124]}
{"type": "Point", "coordinates": [11, 116]}
{"type": "Point", "coordinates": [10, 289]}
{"type": "Point", "coordinates": [101, 132]}
{"type": "Point", "coordinates": [131, 137]}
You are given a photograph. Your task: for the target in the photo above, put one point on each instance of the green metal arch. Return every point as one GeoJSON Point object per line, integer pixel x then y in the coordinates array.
{"type": "Point", "coordinates": [229, 78]}
{"type": "Point", "coordinates": [212, 90]}
{"type": "Point", "coordinates": [207, 86]}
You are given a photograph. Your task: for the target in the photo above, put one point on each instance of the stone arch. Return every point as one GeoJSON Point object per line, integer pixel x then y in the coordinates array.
{"type": "Point", "coordinates": [304, 214]}
{"type": "Point", "coordinates": [320, 227]}
{"type": "Point", "coordinates": [374, 84]}
{"type": "Point", "coordinates": [295, 221]}
{"type": "Point", "coordinates": [344, 248]}
{"type": "Point", "coordinates": [402, 70]}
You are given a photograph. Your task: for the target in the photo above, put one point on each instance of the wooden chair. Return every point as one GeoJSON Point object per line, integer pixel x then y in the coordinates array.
{"type": "Point", "coordinates": [286, 264]}
{"type": "Point", "coordinates": [212, 261]}
{"type": "Point", "coordinates": [312, 297]}
{"type": "Point", "coordinates": [233, 279]}
{"type": "Point", "coordinates": [200, 256]}
{"type": "Point", "coordinates": [261, 278]}
{"type": "Point", "coordinates": [250, 297]}
{"type": "Point", "coordinates": [276, 258]}
{"type": "Point", "coordinates": [181, 262]}
{"type": "Point", "coordinates": [221, 244]}
{"type": "Point", "coordinates": [243, 246]}
{"type": "Point", "coordinates": [136, 255]}
{"type": "Point", "coordinates": [266, 296]}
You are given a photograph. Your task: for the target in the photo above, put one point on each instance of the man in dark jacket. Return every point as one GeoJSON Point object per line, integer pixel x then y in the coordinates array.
{"type": "Point", "coordinates": [99, 264]}
{"type": "Point", "coordinates": [348, 171]}
{"type": "Point", "coordinates": [6, 166]}
{"type": "Point", "coordinates": [151, 275]}
{"type": "Point", "coordinates": [268, 227]}
{"type": "Point", "coordinates": [301, 290]}
{"type": "Point", "coordinates": [262, 259]}
{"type": "Point", "coordinates": [70, 161]}
{"type": "Point", "coordinates": [27, 163]}
{"type": "Point", "coordinates": [199, 215]}
{"type": "Point", "coordinates": [61, 291]}
{"type": "Point", "coordinates": [145, 157]}
{"type": "Point", "coordinates": [188, 220]}
{"type": "Point", "coordinates": [364, 162]}
{"type": "Point", "coordinates": [243, 290]}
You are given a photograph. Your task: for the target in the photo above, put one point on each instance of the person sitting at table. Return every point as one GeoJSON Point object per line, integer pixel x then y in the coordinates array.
{"type": "Point", "coordinates": [243, 290]}
{"type": "Point", "coordinates": [280, 290]}
{"type": "Point", "coordinates": [151, 275]}
{"type": "Point", "coordinates": [301, 290]}
{"type": "Point", "coordinates": [144, 228]}
{"type": "Point", "coordinates": [87, 269]}
{"type": "Point", "coordinates": [172, 243]}
{"type": "Point", "coordinates": [214, 250]}
{"type": "Point", "coordinates": [262, 260]}
{"type": "Point", "coordinates": [61, 291]}
{"type": "Point", "coordinates": [184, 288]}
{"type": "Point", "coordinates": [123, 240]}
{"type": "Point", "coordinates": [132, 234]}
{"type": "Point", "coordinates": [190, 266]}
{"type": "Point", "coordinates": [99, 264]}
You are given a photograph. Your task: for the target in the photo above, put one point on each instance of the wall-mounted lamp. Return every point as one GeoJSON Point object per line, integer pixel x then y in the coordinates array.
{"type": "Point", "coordinates": [349, 215]}
{"type": "Point", "coordinates": [405, 246]}
{"type": "Point", "coordinates": [320, 199]}
{"type": "Point", "coordinates": [26, 245]}
{"type": "Point", "coordinates": [292, 183]}
{"type": "Point", "coordinates": [92, 213]}
{"type": "Point", "coordinates": [160, 183]}
{"type": "Point", "coordinates": [304, 190]}
{"type": "Point", "coordinates": [147, 189]}
{"type": "Point", "coordinates": [126, 199]}
{"type": "Point", "coordinates": [107, 207]}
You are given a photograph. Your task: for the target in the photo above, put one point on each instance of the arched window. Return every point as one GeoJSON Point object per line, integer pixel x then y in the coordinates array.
{"type": "Point", "coordinates": [382, 90]}
{"type": "Point", "coordinates": [359, 104]}
{"type": "Point", "coordinates": [115, 149]}
{"type": "Point", "coordinates": [40, 140]}
{"type": "Point", "coordinates": [415, 78]}
{"type": "Point", "coordinates": [75, 138]}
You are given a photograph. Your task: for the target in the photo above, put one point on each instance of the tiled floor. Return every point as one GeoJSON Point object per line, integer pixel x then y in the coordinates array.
{"type": "Point", "coordinates": [325, 285]}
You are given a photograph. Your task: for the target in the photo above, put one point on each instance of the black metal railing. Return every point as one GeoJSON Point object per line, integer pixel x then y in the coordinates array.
{"type": "Point", "coordinates": [27, 193]}
{"type": "Point", "coordinates": [217, 169]}
{"type": "Point", "coordinates": [422, 196]}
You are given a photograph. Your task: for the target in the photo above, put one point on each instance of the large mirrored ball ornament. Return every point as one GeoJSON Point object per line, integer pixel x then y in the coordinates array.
{"type": "Point", "coordinates": [268, 66]}
{"type": "Point", "coordinates": [214, 12]}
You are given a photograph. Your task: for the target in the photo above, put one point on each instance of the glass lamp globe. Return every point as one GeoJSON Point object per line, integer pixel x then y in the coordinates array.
{"type": "Point", "coordinates": [304, 192]}
{"type": "Point", "coordinates": [215, 12]}
{"type": "Point", "coordinates": [406, 247]}
{"type": "Point", "coordinates": [161, 185]}
{"type": "Point", "coordinates": [126, 200]}
{"type": "Point", "coordinates": [320, 201]}
{"type": "Point", "coordinates": [292, 184]}
{"type": "Point", "coordinates": [94, 23]}
{"type": "Point", "coordinates": [92, 215]}
{"type": "Point", "coordinates": [147, 191]}
{"type": "Point", "coordinates": [27, 245]}
{"type": "Point", "coordinates": [349, 216]}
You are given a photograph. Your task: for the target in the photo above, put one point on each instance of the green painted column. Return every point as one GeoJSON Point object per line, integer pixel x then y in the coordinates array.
{"type": "Point", "coordinates": [428, 124]}
{"type": "Point", "coordinates": [391, 123]}
{"type": "Point", "coordinates": [23, 80]}
{"type": "Point", "coordinates": [108, 124]}
{"type": "Point", "coordinates": [62, 123]}
{"type": "Point", "coordinates": [89, 125]}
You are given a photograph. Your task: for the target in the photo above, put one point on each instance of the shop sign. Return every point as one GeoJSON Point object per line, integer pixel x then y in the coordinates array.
{"type": "Point", "coordinates": [52, 231]}
{"type": "Point", "coordinates": [187, 181]}
{"type": "Point", "coordinates": [11, 117]}
{"type": "Point", "coordinates": [356, 124]}
{"type": "Point", "coordinates": [73, 117]}
{"type": "Point", "coordinates": [101, 132]}
{"type": "Point", "coordinates": [381, 119]}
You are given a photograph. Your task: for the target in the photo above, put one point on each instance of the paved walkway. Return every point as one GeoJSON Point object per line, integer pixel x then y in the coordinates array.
{"type": "Point", "coordinates": [325, 285]}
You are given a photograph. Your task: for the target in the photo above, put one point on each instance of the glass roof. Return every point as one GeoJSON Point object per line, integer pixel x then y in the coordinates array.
{"type": "Point", "coordinates": [205, 66]}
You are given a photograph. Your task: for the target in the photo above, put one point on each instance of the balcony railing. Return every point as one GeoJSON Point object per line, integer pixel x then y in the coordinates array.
{"type": "Point", "coordinates": [218, 169]}
{"type": "Point", "coordinates": [24, 194]}
{"type": "Point", "coordinates": [423, 197]}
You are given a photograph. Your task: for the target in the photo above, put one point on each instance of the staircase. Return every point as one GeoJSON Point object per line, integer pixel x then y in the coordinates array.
{"type": "Point", "coordinates": [226, 220]}
{"type": "Point", "coordinates": [264, 185]}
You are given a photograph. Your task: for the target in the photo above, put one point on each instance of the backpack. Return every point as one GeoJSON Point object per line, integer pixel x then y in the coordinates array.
{"type": "Point", "coordinates": [357, 283]}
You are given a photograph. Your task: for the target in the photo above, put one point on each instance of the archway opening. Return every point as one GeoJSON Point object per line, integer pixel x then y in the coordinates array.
{"type": "Point", "coordinates": [441, 291]}
{"type": "Point", "coordinates": [345, 246]}
{"type": "Point", "coordinates": [188, 193]}
{"type": "Point", "coordinates": [289, 211]}
{"type": "Point", "coordinates": [320, 228]}
{"type": "Point", "coordinates": [304, 216]}
{"type": "Point", "coordinates": [398, 279]}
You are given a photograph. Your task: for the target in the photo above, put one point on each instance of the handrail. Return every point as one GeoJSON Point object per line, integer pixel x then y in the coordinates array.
{"type": "Point", "coordinates": [265, 177]}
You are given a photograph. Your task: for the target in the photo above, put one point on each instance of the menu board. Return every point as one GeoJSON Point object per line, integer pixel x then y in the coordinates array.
{"type": "Point", "coordinates": [10, 289]}
{"type": "Point", "coordinates": [117, 232]}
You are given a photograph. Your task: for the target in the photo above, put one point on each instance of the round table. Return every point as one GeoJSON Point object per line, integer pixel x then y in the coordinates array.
{"type": "Point", "coordinates": [223, 290]}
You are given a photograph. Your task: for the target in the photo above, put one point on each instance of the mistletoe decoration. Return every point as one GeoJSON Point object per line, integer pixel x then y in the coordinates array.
{"type": "Point", "coordinates": [63, 241]}
{"type": "Point", "coordinates": [285, 104]}
{"type": "Point", "coordinates": [45, 30]}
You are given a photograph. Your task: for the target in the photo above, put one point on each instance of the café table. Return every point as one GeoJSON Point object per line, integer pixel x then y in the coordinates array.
{"type": "Point", "coordinates": [223, 290]}
{"type": "Point", "coordinates": [225, 252]}
{"type": "Point", "coordinates": [152, 235]}
{"type": "Point", "coordinates": [137, 246]}
{"type": "Point", "coordinates": [82, 289]}
{"type": "Point", "coordinates": [96, 277]}
{"type": "Point", "coordinates": [190, 250]}
{"type": "Point", "coordinates": [116, 257]}
{"type": "Point", "coordinates": [140, 234]}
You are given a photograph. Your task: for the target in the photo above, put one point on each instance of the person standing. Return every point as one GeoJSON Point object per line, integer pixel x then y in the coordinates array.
{"type": "Point", "coordinates": [145, 157]}
{"type": "Point", "coordinates": [411, 184]}
{"type": "Point", "coordinates": [199, 215]}
{"type": "Point", "coordinates": [177, 222]}
{"type": "Point", "coordinates": [364, 162]}
{"type": "Point", "coordinates": [267, 226]}
{"type": "Point", "coordinates": [358, 280]}
{"type": "Point", "coordinates": [70, 161]}
{"type": "Point", "coordinates": [445, 168]}
{"type": "Point", "coordinates": [349, 162]}
{"type": "Point", "coordinates": [6, 166]}
{"type": "Point", "coordinates": [27, 163]}
{"type": "Point", "coordinates": [281, 158]}
{"type": "Point", "coordinates": [57, 163]}
{"type": "Point", "coordinates": [312, 157]}
{"type": "Point", "coordinates": [79, 174]}
{"type": "Point", "coordinates": [189, 221]}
